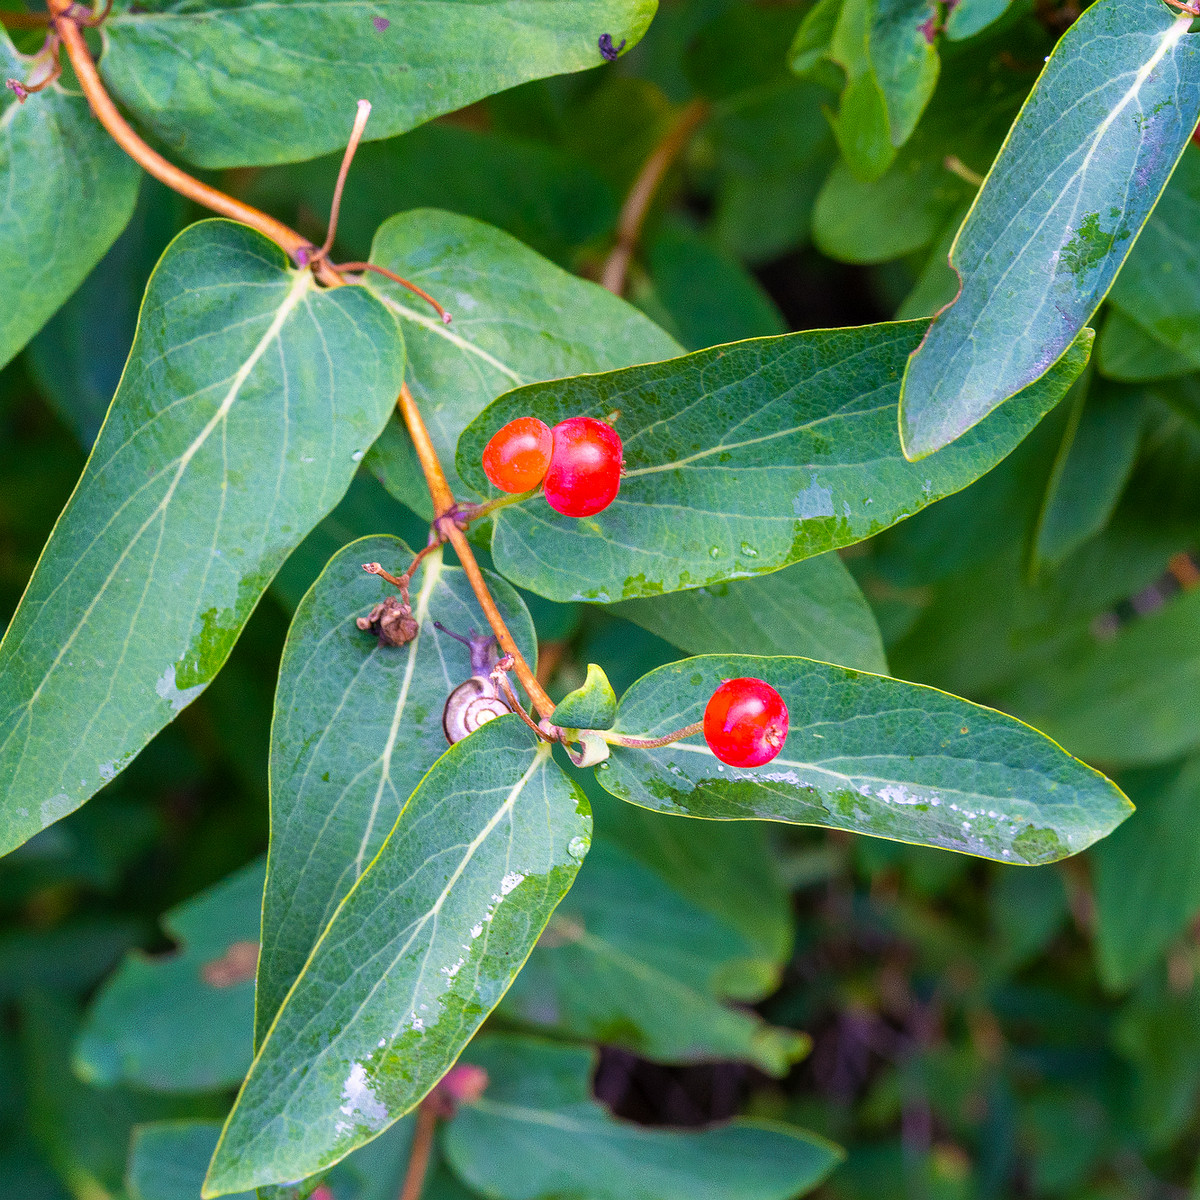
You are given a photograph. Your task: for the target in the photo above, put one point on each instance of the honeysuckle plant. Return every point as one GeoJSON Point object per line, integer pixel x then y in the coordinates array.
{"type": "Point", "coordinates": [429, 796]}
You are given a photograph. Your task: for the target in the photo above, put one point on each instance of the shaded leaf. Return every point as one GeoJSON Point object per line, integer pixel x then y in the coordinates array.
{"type": "Point", "coordinates": [781, 448]}
{"type": "Point", "coordinates": [592, 705]}
{"type": "Point", "coordinates": [627, 961]}
{"type": "Point", "coordinates": [517, 318]}
{"type": "Point", "coordinates": [1146, 877]}
{"type": "Point", "coordinates": [536, 1134]}
{"type": "Point", "coordinates": [356, 726]}
{"type": "Point", "coordinates": [183, 68]}
{"type": "Point", "coordinates": [248, 397]}
{"type": "Point", "coordinates": [1125, 351]}
{"type": "Point", "coordinates": [71, 190]}
{"type": "Point", "coordinates": [183, 1021]}
{"type": "Point", "coordinates": [1084, 164]}
{"type": "Point", "coordinates": [419, 952]}
{"type": "Point", "coordinates": [812, 609]}
{"type": "Point", "coordinates": [869, 754]}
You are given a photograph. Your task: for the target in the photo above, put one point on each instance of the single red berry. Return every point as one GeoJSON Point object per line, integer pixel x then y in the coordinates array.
{"type": "Point", "coordinates": [516, 458]}
{"type": "Point", "coordinates": [745, 722]}
{"type": "Point", "coordinates": [585, 467]}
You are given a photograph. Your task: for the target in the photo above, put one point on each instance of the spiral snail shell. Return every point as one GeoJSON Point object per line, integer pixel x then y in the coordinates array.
{"type": "Point", "coordinates": [470, 705]}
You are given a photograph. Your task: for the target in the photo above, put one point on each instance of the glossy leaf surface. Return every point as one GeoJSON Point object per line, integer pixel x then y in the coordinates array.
{"type": "Point", "coordinates": [868, 754]}
{"type": "Point", "coordinates": [626, 960]}
{"type": "Point", "coordinates": [812, 609]}
{"type": "Point", "coordinates": [536, 1133]}
{"type": "Point", "coordinates": [517, 318]}
{"type": "Point", "coordinates": [778, 449]}
{"type": "Point", "coordinates": [76, 193]}
{"type": "Point", "coordinates": [132, 1031]}
{"type": "Point", "coordinates": [1085, 162]}
{"type": "Point", "coordinates": [420, 951]}
{"type": "Point", "coordinates": [248, 397]}
{"type": "Point", "coordinates": [356, 726]}
{"type": "Point", "coordinates": [250, 82]}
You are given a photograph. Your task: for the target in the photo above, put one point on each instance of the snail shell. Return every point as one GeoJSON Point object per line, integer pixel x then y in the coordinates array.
{"type": "Point", "coordinates": [471, 704]}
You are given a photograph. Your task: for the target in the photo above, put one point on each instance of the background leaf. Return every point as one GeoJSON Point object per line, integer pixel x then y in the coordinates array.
{"type": "Point", "coordinates": [868, 754]}
{"type": "Point", "coordinates": [248, 397]}
{"type": "Point", "coordinates": [536, 1134]}
{"type": "Point", "coordinates": [356, 727]}
{"type": "Point", "coordinates": [781, 448]}
{"type": "Point", "coordinates": [76, 193]}
{"type": "Point", "coordinates": [420, 951]}
{"type": "Point", "coordinates": [132, 1032]}
{"type": "Point", "coordinates": [183, 69]}
{"type": "Point", "coordinates": [517, 318]}
{"type": "Point", "coordinates": [1085, 162]}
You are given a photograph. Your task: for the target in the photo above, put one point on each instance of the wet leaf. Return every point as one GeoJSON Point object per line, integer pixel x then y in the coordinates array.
{"type": "Point", "coordinates": [781, 448]}
{"type": "Point", "coordinates": [356, 727]}
{"type": "Point", "coordinates": [249, 82]}
{"type": "Point", "coordinates": [248, 397]}
{"type": "Point", "coordinates": [869, 754]}
{"type": "Point", "coordinates": [627, 961]}
{"type": "Point", "coordinates": [536, 1133]}
{"type": "Point", "coordinates": [420, 951]}
{"type": "Point", "coordinates": [133, 1032]}
{"type": "Point", "coordinates": [1085, 162]}
{"type": "Point", "coordinates": [70, 191]}
{"type": "Point", "coordinates": [517, 318]}
{"type": "Point", "coordinates": [812, 609]}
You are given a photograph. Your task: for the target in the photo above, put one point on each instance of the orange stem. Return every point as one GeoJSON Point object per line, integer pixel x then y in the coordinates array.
{"type": "Point", "coordinates": [298, 248]}
{"type": "Point", "coordinates": [418, 1157]}
{"type": "Point", "coordinates": [443, 509]}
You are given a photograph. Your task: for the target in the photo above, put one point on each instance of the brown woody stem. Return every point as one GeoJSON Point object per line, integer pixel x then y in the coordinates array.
{"type": "Point", "coordinates": [443, 509]}
{"type": "Point", "coordinates": [298, 248]}
{"type": "Point", "coordinates": [645, 187]}
{"type": "Point", "coordinates": [19, 20]}
{"type": "Point", "coordinates": [422, 1147]}
{"type": "Point", "coordinates": [640, 743]}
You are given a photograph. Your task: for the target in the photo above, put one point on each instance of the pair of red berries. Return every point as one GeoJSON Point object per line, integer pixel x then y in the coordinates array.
{"type": "Point", "coordinates": [745, 722]}
{"type": "Point", "coordinates": [578, 462]}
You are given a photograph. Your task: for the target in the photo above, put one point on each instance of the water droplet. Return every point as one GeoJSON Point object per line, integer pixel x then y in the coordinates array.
{"type": "Point", "coordinates": [714, 552]}
{"type": "Point", "coordinates": [357, 456]}
{"type": "Point", "coordinates": [577, 847]}
{"type": "Point", "coordinates": [748, 550]}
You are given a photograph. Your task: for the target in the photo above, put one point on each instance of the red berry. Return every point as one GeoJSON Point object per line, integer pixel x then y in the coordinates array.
{"type": "Point", "coordinates": [585, 467]}
{"type": "Point", "coordinates": [745, 722]}
{"type": "Point", "coordinates": [516, 458]}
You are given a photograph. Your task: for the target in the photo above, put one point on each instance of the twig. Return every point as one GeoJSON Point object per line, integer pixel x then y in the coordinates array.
{"type": "Point", "coordinates": [422, 1147]}
{"type": "Point", "coordinates": [956, 166]}
{"type": "Point", "coordinates": [405, 283]}
{"type": "Point", "coordinates": [297, 247]}
{"type": "Point", "coordinates": [641, 194]}
{"type": "Point", "coordinates": [19, 20]}
{"type": "Point", "coordinates": [335, 207]}
{"type": "Point", "coordinates": [641, 743]}
{"type": "Point", "coordinates": [443, 508]}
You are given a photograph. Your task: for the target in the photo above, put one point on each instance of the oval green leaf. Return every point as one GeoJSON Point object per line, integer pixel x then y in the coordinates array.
{"type": "Point", "coordinates": [869, 754]}
{"type": "Point", "coordinates": [780, 448]}
{"type": "Point", "coordinates": [247, 400]}
{"type": "Point", "coordinates": [356, 726]}
{"type": "Point", "coordinates": [421, 950]}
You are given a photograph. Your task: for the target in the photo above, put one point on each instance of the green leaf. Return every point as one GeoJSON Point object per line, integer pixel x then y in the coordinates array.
{"type": "Point", "coordinates": [228, 83]}
{"type": "Point", "coordinates": [1146, 877]}
{"type": "Point", "coordinates": [537, 1134]}
{"type": "Point", "coordinates": [1093, 466]}
{"type": "Point", "coordinates": [417, 955]}
{"type": "Point", "coordinates": [593, 705]}
{"type": "Point", "coordinates": [517, 318]}
{"type": "Point", "coordinates": [1085, 162]}
{"type": "Point", "coordinates": [626, 960]}
{"type": "Point", "coordinates": [869, 754]}
{"type": "Point", "coordinates": [900, 44]}
{"type": "Point", "coordinates": [71, 190]}
{"type": "Point", "coordinates": [356, 726]}
{"type": "Point", "coordinates": [812, 609]}
{"type": "Point", "coordinates": [969, 17]}
{"type": "Point", "coordinates": [167, 1160]}
{"type": "Point", "coordinates": [785, 448]}
{"type": "Point", "coordinates": [248, 397]}
{"type": "Point", "coordinates": [132, 1032]}
{"type": "Point", "coordinates": [1116, 700]}
{"type": "Point", "coordinates": [1159, 286]}
{"type": "Point", "coordinates": [1125, 351]}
